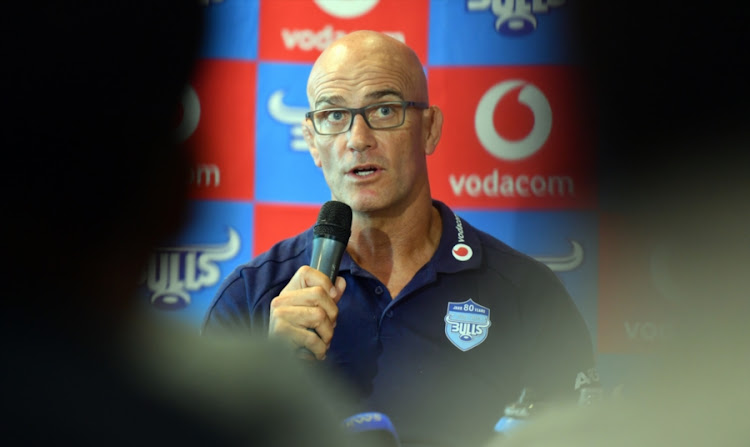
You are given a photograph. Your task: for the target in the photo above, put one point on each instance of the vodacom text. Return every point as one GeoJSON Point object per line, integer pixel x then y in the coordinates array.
{"type": "Point", "coordinates": [309, 40]}
{"type": "Point", "coordinates": [496, 184]}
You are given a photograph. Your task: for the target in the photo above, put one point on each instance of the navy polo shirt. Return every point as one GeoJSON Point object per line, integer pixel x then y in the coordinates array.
{"type": "Point", "coordinates": [478, 323]}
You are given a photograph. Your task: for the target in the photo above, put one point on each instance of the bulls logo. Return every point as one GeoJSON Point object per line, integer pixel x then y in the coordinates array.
{"type": "Point", "coordinates": [564, 263]}
{"type": "Point", "coordinates": [173, 272]}
{"type": "Point", "coordinates": [514, 17]}
{"type": "Point", "coordinates": [290, 115]}
{"type": "Point", "coordinates": [467, 324]}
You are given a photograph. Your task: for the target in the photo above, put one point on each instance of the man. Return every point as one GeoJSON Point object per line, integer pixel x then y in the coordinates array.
{"type": "Point", "coordinates": [439, 340]}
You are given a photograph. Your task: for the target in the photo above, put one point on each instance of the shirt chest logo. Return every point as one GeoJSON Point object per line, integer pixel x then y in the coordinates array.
{"type": "Point", "coordinates": [467, 324]}
{"type": "Point", "coordinates": [462, 252]}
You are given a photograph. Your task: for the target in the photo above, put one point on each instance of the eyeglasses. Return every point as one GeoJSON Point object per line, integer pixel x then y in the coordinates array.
{"type": "Point", "coordinates": [383, 115]}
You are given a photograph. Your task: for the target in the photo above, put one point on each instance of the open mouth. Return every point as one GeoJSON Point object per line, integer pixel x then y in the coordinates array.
{"type": "Point", "coordinates": [364, 171]}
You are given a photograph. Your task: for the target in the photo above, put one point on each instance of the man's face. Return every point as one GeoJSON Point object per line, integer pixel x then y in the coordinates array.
{"type": "Point", "coordinates": [368, 169]}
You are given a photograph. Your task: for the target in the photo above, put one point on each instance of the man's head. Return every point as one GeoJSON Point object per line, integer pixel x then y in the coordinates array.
{"type": "Point", "coordinates": [369, 169]}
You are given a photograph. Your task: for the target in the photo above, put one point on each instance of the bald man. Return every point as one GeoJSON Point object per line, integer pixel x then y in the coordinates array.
{"type": "Point", "coordinates": [430, 321]}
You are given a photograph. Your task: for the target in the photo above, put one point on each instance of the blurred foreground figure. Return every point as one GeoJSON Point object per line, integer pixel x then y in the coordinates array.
{"type": "Point", "coordinates": [93, 181]}
{"type": "Point", "coordinates": [673, 105]}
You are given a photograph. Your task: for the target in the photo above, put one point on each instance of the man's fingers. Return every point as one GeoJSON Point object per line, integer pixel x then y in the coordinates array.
{"type": "Point", "coordinates": [306, 310]}
{"type": "Point", "coordinates": [340, 287]}
{"type": "Point", "coordinates": [307, 276]}
{"type": "Point", "coordinates": [314, 297]}
{"type": "Point", "coordinates": [301, 317]}
{"type": "Point", "coordinates": [299, 338]}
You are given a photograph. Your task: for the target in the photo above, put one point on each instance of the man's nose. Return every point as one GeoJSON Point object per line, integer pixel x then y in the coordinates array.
{"type": "Point", "coordinates": [360, 135]}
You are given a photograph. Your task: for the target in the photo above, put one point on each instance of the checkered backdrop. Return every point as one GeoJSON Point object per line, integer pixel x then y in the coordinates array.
{"type": "Point", "coordinates": [517, 157]}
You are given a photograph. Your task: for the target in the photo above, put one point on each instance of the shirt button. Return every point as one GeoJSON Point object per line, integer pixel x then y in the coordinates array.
{"type": "Point", "coordinates": [379, 290]}
{"type": "Point", "coordinates": [389, 314]}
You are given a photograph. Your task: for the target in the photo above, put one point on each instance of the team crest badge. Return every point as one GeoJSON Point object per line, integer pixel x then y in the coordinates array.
{"type": "Point", "coordinates": [467, 324]}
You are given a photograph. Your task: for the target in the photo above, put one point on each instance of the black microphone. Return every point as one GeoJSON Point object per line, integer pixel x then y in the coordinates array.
{"type": "Point", "coordinates": [332, 233]}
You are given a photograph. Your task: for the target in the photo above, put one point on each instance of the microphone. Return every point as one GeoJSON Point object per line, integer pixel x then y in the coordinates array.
{"type": "Point", "coordinates": [332, 233]}
{"type": "Point", "coordinates": [371, 429]}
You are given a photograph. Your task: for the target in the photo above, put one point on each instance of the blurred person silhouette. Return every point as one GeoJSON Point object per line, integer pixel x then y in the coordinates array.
{"type": "Point", "coordinates": [671, 83]}
{"type": "Point", "coordinates": [93, 180]}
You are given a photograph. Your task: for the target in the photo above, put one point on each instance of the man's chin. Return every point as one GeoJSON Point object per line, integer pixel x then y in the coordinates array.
{"type": "Point", "coordinates": [364, 205]}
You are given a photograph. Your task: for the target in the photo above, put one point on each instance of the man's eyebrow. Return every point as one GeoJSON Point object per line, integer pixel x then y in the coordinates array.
{"type": "Point", "coordinates": [381, 93]}
{"type": "Point", "coordinates": [333, 100]}
{"type": "Point", "coordinates": [337, 100]}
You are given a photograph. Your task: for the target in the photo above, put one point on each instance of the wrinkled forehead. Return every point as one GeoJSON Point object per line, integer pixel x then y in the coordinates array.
{"type": "Point", "coordinates": [351, 73]}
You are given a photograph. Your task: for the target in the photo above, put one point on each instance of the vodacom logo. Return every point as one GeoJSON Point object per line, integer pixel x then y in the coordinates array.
{"type": "Point", "coordinates": [492, 141]}
{"type": "Point", "coordinates": [346, 9]}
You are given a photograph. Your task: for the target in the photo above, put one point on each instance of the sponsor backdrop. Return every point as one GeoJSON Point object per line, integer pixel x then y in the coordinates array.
{"type": "Point", "coordinates": [517, 158]}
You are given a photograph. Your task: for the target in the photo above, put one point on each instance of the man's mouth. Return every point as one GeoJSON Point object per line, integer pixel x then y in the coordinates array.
{"type": "Point", "coordinates": [364, 171]}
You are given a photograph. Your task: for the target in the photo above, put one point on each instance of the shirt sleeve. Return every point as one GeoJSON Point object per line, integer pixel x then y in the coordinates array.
{"type": "Point", "coordinates": [234, 310]}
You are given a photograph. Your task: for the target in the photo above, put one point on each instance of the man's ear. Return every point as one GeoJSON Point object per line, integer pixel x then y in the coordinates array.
{"type": "Point", "coordinates": [432, 128]}
{"type": "Point", "coordinates": [309, 134]}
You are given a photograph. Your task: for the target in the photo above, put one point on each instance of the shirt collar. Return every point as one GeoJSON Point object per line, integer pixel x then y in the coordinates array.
{"type": "Point", "coordinates": [459, 248]}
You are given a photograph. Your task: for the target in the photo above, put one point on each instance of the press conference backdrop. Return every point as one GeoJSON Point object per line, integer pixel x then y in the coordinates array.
{"type": "Point", "coordinates": [517, 157]}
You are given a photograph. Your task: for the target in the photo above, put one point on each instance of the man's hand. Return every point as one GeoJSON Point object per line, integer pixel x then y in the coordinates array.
{"type": "Point", "coordinates": [304, 313]}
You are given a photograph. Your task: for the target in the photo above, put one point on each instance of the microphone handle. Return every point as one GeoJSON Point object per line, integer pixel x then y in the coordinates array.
{"type": "Point", "coordinates": [326, 257]}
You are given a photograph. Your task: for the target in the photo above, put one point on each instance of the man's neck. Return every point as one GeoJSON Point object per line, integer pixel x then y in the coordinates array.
{"type": "Point", "coordinates": [395, 247]}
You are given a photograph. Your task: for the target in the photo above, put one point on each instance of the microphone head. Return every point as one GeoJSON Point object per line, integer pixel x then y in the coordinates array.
{"type": "Point", "coordinates": [334, 221]}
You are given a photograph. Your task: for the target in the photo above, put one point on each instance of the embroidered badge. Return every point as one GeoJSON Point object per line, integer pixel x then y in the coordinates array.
{"type": "Point", "coordinates": [467, 324]}
{"type": "Point", "coordinates": [462, 252]}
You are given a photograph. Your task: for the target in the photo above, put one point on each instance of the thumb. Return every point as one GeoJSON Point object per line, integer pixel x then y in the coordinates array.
{"type": "Point", "coordinates": [338, 289]}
